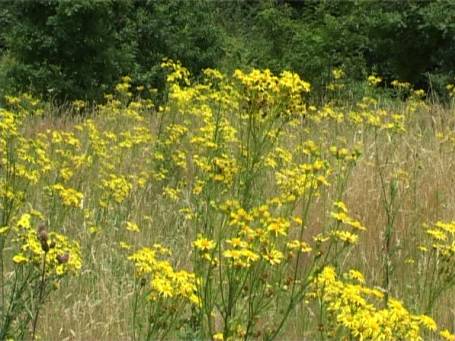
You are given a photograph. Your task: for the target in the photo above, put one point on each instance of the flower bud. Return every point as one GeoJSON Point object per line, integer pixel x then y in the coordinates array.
{"type": "Point", "coordinates": [62, 259]}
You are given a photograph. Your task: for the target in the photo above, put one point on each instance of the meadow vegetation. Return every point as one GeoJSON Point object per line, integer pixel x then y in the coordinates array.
{"type": "Point", "coordinates": [229, 206]}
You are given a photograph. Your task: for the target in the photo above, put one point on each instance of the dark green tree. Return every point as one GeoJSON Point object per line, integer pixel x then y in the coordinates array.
{"type": "Point", "coordinates": [182, 30]}
{"type": "Point", "coordinates": [67, 49]}
{"type": "Point", "coordinates": [80, 48]}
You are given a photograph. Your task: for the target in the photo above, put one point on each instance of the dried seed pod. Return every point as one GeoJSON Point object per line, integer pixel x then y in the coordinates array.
{"type": "Point", "coordinates": [42, 234]}
{"type": "Point", "coordinates": [44, 246]}
{"type": "Point", "coordinates": [43, 238]}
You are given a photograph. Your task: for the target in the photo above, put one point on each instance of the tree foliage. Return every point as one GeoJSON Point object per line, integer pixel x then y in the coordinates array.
{"type": "Point", "coordinates": [80, 48]}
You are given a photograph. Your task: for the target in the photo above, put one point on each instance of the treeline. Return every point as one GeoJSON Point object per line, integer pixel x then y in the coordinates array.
{"type": "Point", "coordinates": [80, 48]}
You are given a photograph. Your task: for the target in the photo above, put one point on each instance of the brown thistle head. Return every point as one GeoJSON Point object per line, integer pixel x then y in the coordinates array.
{"type": "Point", "coordinates": [43, 237]}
